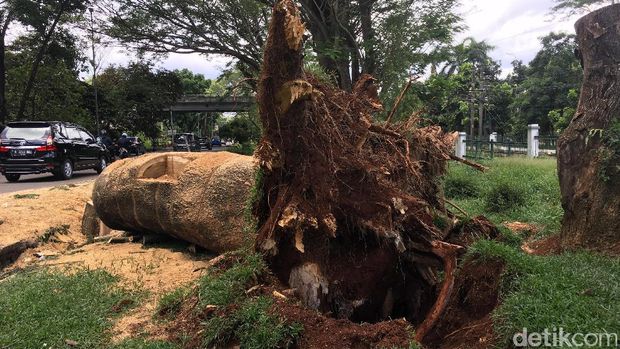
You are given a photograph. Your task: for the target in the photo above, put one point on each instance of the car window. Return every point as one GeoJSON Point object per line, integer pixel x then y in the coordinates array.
{"type": "Point", "coordinates": [86, 136]}
{"type": "Point", "coordinates": [25, 132]}
{"type": "Point", "coordinates": [73, 133]}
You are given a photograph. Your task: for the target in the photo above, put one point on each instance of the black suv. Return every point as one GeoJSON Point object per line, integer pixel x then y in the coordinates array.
{"type": "Point", "coordinates": [30, 147]}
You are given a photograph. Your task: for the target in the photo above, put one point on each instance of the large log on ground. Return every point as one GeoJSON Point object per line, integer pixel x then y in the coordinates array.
{"type": "Point", "coordinates": [197, 197]}
{"type": "Point", "coordinates": [349, 206]}
{"type": "Point", "coordinates": [589, 149]}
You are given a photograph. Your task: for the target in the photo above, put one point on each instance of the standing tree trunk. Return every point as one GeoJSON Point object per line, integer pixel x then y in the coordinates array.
{"type": "Point", "coordinates": [37, 60]}
{"type": "Point", "coordinates": [588, 164]}
{"type": "Point", "coordinates": [6, 20]}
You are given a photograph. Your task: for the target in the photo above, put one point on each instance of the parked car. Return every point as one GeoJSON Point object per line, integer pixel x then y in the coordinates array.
{"type": "Point", "coordinates": [137, 146]}
{"type": "Point", "coordinates": [216, 142]}
{"type": "Point", "coordinates": [32, 147]}
{"type": "Point", "coordinates": [205, 143]}
{"type": "Point", "coordinates": [185, 142]}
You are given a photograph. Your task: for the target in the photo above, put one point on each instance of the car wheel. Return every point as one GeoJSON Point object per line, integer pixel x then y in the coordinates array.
{"type": "Point", "coordinates": [102, 165]}
{"type": "Point", "coordinates": [12, 177]}
{"type": "Point", "coordinates": [65, 171]}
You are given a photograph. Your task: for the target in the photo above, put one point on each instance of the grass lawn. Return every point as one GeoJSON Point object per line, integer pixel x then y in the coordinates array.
{"type": "Point", "coordinates": [46, 309]}
{"type": "Point", "coordinates": [514, 189]}
{"type": "Point", "coordinates": [578, 292]}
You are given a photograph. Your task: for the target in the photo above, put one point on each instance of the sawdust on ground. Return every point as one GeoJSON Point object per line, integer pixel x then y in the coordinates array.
{"type": "Point", "coordinates": [26, 215]}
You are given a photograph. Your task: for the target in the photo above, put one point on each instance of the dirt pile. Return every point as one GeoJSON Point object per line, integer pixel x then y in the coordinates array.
{"type": "Point", "coordinates": [351, 213]}
{"type": "Point", "coordinates": [200, 198]}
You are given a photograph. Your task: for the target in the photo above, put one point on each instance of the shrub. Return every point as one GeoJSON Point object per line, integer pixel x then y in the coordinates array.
{"type": "Point", "coordinates": [461, 187]}
{"type": "Point", "coordinates": [504, 197]}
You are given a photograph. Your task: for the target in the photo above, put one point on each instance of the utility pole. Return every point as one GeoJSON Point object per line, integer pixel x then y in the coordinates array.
{"type": "Point", "coordinates": [481, 101]}
{"type": "Point", "coordinates": [92, 41]}
{"type": "Point", "coordinates": [472, 100]}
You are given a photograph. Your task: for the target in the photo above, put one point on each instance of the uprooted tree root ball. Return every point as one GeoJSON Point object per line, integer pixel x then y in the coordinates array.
{"type": "Point", "coordinates": [350, 209]}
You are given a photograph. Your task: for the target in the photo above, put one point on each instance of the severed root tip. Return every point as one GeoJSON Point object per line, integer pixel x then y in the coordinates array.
{"type": "Point", "coordinates": [448, 253]}
{"type": "Point", "coordinates": [475, 165]}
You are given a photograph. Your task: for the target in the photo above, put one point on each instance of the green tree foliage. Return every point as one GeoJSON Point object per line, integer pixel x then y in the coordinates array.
{"type": "Point", "coordinates": [243, 128]}
{"type": "Point", "coordinates": [579, 6]}
{"type": "Point", "coordinates": [234, 28]}
{"type": "Point", "coordinates": [44, 18]}
{"type": "Point", "coordinates": [389, 39]}
{"type": "Point", "coordinates": [133, 98]}
{"type": "Point", "coordinates": [467, 77]}
{"type": "Point", "coordinates": [57, 93]}
{"type": "Point", "coordinates": [193, 84]}
{"type": "Point", "coordinates": [548, 81]}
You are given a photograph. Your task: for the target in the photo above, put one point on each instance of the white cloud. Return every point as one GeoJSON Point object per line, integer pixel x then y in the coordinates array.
{"type": "Point", "coordinates": [513, 27]}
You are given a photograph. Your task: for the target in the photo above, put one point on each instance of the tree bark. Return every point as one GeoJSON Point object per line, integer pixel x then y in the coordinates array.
{"type": "Point", "coordinates": [588, 167]}
{"type": "Point", "coordinates": [199, 198]}
{"type": "Point", "coordinates": [6, 21]}
{"type": "Point", "coordinates": [37, 60]}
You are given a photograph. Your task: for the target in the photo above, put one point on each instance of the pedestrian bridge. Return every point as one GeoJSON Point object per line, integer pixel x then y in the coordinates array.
{"type": "Point", "coordinates": [202, 103]}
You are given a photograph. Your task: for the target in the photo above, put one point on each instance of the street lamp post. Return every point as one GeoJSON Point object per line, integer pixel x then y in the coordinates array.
{"type": "Point", "coordinates": [92, 40]}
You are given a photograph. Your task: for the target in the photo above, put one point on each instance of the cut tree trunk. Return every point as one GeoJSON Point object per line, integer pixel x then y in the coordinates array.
{"type": "Point", "coordinates": [348, 208]}
{"type": "Point", "coordinates": [588, 164]}
{"type": "Point", "coordinates": [199, 198]}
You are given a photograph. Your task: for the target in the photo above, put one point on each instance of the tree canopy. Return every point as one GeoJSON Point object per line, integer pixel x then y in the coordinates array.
{"type": "Point", "coordinates": [389, 39]}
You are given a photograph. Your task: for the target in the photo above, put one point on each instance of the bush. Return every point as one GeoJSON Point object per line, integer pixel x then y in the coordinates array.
{"type": "Point", "coordinates": [461, 187]}
{"type": "Point", "coordinates": [504, 197]}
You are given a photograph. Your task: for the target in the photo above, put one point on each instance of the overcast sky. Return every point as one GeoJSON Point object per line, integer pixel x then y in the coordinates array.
{"type": "Point", "coordinates": [512, 26]}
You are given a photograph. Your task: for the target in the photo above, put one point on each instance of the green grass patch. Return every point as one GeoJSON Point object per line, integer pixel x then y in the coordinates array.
{"type": "Point", "coordinates": [50, 233]}
{"type": "Point", "coordinates": [253, 326]}
{"type": "Point", "coordinates": [230, 285]}
{"type": "Point", "coordinates": [170, 304]}
{"type": "Point", "coordinates": [461, 185]}
{"type": "Point", "coordinates": [575, 291]}
{"type": "Point", "coordinates": [26, 196]}
{"type": "Point", "coordinates": [514, 189]}
{"type": "Point", "coordinates": [43, 309]}
{"type": "Point", "coordinates": [238, 317]}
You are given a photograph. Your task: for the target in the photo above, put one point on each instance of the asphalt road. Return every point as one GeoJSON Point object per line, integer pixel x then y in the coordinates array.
{"type": "Point", "coordinates": [28, 182]}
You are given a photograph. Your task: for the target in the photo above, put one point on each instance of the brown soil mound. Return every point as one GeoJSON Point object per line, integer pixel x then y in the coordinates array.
{"type": "Point", "coordinates": [324, 332]}
{"type": "Point", "coordinates": [545, 247]}
{"type": "Point", "coordinates": [520, 227]}
{"type": "Point", "coordinates": [466, 322]}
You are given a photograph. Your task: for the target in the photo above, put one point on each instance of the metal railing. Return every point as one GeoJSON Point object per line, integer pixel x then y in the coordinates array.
{"type": "Point", "coordinates": [504, 146]}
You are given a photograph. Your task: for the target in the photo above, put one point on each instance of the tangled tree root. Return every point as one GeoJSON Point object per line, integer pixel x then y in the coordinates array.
{"type": "Point", "coordinates": [350, 210]}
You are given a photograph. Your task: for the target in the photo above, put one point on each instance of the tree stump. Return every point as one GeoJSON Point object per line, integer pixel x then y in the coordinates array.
{"type": "Point", "coordinates": [350, 209]}
{"type": "Point", "coordinates": [197, 197]}
{"type": "Point", "coordinates": [588, 164]}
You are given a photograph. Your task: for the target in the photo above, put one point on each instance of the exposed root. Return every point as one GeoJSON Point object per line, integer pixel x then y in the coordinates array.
{"type": "Point", "coordinates": [448, 253]}
{"type": "Point", "coordinates": [469, 163]}
{"type": "Point", "coordinates": [349, 207]}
